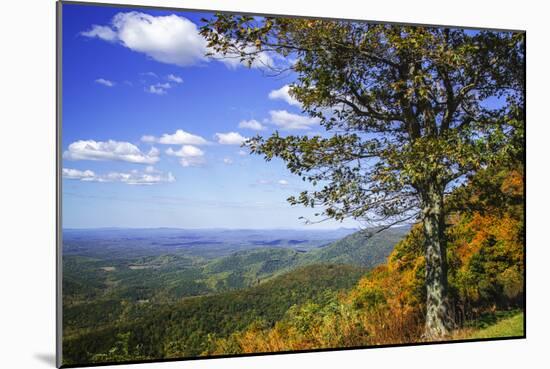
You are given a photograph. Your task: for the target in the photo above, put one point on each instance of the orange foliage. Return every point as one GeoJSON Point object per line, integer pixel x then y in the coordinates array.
{"type": "Point", "coordinates": [485, 254]}
{"type": "Point", "coordinates": [513, 184]}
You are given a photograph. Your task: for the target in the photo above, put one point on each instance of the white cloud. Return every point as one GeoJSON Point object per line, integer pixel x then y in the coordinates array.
{"type": "Point", "coordinates": [180, 137]}
{"type": "Point", "coordinates": [283, 94]}
{"type": "Point", "coordinates": [151, 169]}
{"type": "Point", "coordinates": [186, 151]}
{"type": "Point", "coordinates": [174, 78]}
{"type": "Point", "coordinates": [190, 156]}
{"type": "Point", "coordinates": [283, 182]}
{"type": "Point", "coordinates": [110, 150]}
{"type": "Point", "coordinates": [227, 161]}
{"type": "Point", "coordinates": [102, 32]}
{"type": "Point", "coordinates": [290, 121]}
{"type": "Point", "coordinates": [155, 90]}
{"type": "Point", "coordinates": [158, 88]}
{"type": "Point", "coordinates": [169, 39]}
{"type": "Point", "coordinates": [78, 174]}
{"type": "Point", "coordinates": [105, 82]}
{"type": "Point", "coordinates": [251, 124]}
{"type": "Point", "coordinates": [230, 138]}
{"type": "Point", "coordinates": [154, 152]}
{"type": "Point", "coordinates": [242, 153]}
{"type": "Point", "coordinates": [137, 178]}
{"type": "Point", "coordinates": [151, 176]}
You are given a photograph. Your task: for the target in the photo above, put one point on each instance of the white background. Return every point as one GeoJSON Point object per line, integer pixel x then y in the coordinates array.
{"type": "Point", "coordinates": [27, 185]}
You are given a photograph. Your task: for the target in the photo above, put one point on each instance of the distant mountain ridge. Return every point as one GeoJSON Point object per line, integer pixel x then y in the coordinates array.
{"type": "Point", "coordinates": [201, 266]}
{"type": "Point", "coordinates": [363, 248]}
{"type": "Point", "coordinates": [360, 249]}
{"type": "Point", "coordinates": [208, 243]}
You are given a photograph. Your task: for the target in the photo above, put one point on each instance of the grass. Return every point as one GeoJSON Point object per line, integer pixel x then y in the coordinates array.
{"type": "Point", "coordinates": [508, 327]}
{"type": "Point", "coordinates": [495, 325]}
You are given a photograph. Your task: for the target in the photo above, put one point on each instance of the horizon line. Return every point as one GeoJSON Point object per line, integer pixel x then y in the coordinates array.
{"type": "Point", "coordinates": [202, 228]}
{"type": "Point", "coordinates": [223, 228]}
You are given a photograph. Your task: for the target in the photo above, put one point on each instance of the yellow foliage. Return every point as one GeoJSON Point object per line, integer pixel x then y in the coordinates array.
{"type": "Point", "coordinates": [485, 253]}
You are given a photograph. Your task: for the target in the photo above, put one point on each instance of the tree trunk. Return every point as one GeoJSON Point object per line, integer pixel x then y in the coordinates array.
{"type": "Point", "coordinates": [439, 320]}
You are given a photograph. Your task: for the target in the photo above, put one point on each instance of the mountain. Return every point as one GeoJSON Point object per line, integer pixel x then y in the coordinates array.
{"type": "Point", "coordinates": [116, 267]}
{"type": "Point", "coordinates": [123, 243]}
{"type": "Point", "coordinates": [250, 267]}
{"type": "Point", "coordinates": [247, 268]}
{"type": "Point", "coordinates": [360, 248]}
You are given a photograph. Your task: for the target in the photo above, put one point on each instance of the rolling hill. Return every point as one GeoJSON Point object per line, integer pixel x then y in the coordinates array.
{"type": "Point", "coordinates": [182, 328]}
{"type": "Point", "coordinates": [250, 267]}
{"type": "Point", "coordinates": [360, 248]}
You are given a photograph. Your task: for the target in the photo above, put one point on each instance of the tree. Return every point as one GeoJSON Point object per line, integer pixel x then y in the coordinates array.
{"type": "Point", "coordinates": [409, 112]}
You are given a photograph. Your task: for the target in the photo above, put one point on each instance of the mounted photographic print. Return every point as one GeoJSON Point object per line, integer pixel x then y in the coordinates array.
{"type": "Point", "coordinates": [240, 184]}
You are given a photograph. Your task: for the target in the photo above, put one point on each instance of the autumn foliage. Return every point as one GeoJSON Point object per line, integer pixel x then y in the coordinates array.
{"type": "Point", "coordinates": [486, 269]}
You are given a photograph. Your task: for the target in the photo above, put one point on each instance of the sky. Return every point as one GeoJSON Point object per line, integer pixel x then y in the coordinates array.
{"type": "Point", "coordinates": [152, 129]}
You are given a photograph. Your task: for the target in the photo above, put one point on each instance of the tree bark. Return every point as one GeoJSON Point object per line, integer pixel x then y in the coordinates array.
{"type": "Point", "coordinates": [439, 320]}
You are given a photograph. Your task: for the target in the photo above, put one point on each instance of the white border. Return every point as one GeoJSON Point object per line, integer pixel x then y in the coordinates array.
{"type": "Point", "coordinates": [27, 202]}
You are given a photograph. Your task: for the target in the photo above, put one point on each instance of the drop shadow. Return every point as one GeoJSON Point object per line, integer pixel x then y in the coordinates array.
{"type": "Point", "coordinates": [46, 358]}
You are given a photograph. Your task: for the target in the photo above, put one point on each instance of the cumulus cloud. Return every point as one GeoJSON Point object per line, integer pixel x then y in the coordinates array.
{"type": "Point", "coordinates": [174, 78]}
{"type": "Point", "coordinates": [151, 176]}
{"type": "Point", "coordinates": [137, 178]}
{"type": "Point", "coordinates": [169, 39]}
{"type": "Point", "coordinates": [227, 161]}
{"type": "Point", "coordinates": [190, 156]}
{"type": "Point", "coordinates": [155, 90]}
{"type": "Point", "coordinates": [105, 82]}
{"type": "Point", "coordinates": [283, 182]}
{"type": "Point", "coordinates": [110, 150]}
{"type": "Point", "coordinates": [158, 88]}
{"type": "Point", "coordinates": [242, 153]}
{"type": "Point", "coordinates": [251, 124]}
{"type": "Point", "coordinates": [230, 138]}
{"type": "Point", "coordinates": [102, 32]}
{"type": "Point", "coordinates": [83, 175]}
{"type": "Point", "coordinates": [186, 150]}
{"type": "Point", "coordinates": [283, 94]}
{"type": "Point", "coordinates": [290, 121]}
{"type": "Point", "coordinates": [180, 137]}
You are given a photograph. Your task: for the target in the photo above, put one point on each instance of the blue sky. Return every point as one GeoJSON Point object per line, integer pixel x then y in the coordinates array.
{"type": "Point", "coordinates": [151, 128]}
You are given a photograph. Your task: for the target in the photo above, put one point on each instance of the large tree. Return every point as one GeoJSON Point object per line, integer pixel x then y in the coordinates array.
{"type": "Point", "coordinates": [409, 113]}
